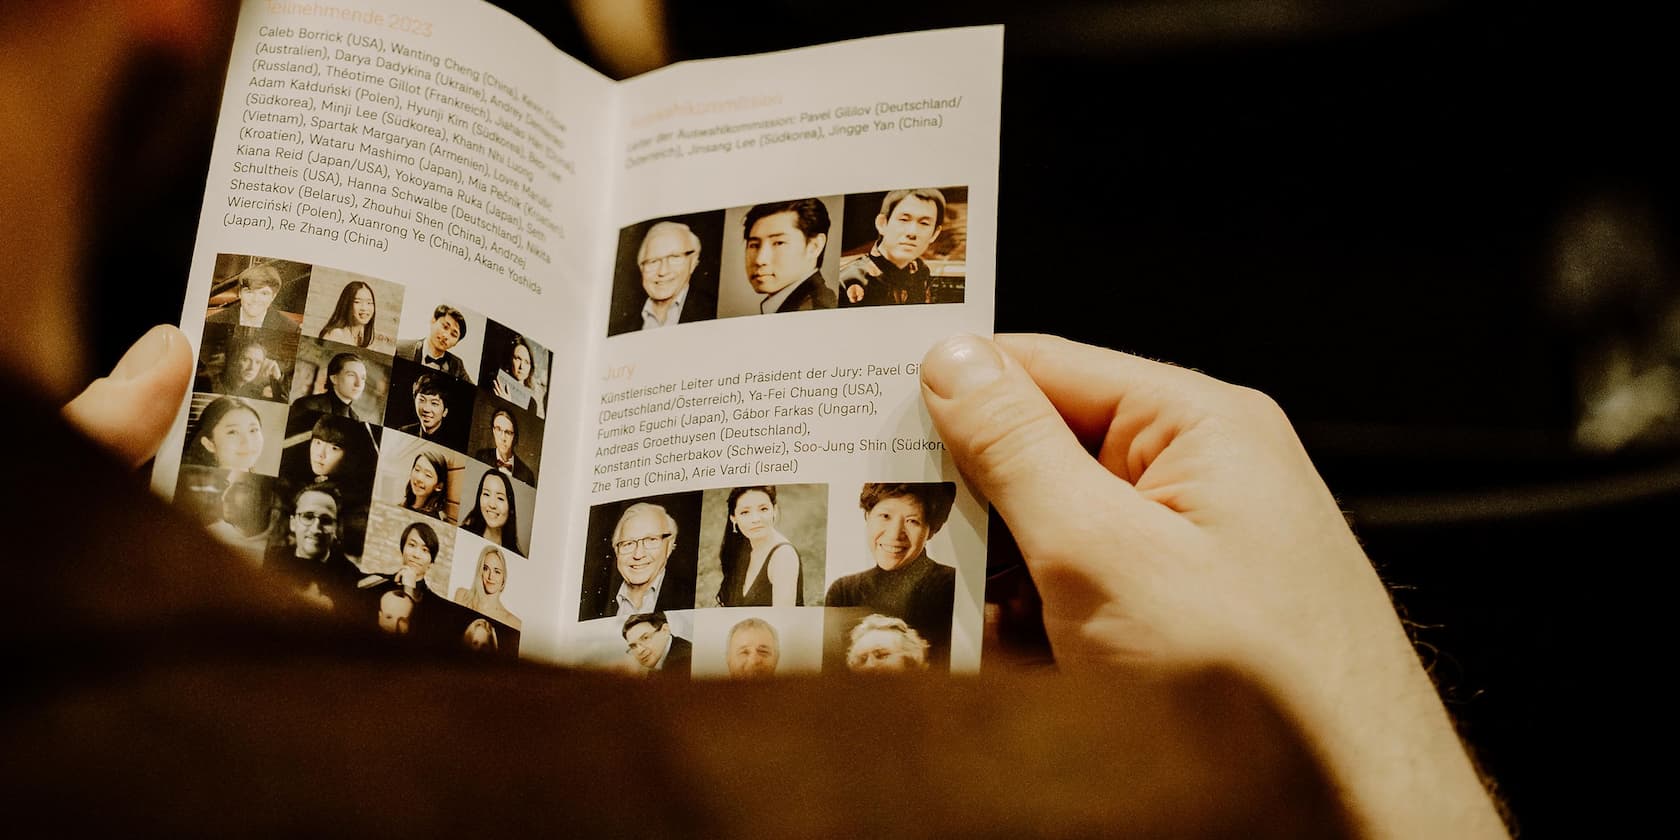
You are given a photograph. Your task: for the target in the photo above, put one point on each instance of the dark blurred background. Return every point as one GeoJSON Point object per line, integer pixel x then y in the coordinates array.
{"type": "Point", "coordinates": [1440, 234]}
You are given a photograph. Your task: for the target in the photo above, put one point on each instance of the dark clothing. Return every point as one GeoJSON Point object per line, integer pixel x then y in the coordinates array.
{"type": "Point", "coordinates": [415, 351]}
{"type": "Point", "coordinates": [760, 592]}
{"type": "Point", "coordinates": [335, 576]}
{"type": "Point", "coordinates": [921, 592]}
{"type": "Point", "coordinates": [261, 388]}
{"type": "Point", "coordinates": [162, 681]}
{"type": "Point", "coordinates": [676, 593]}
{"type": "Point", "coordinates": [814, 293]}
{"type": "Point", "coordinates": [886, 284]}
{"type": "Point", "coordinates": [521, 470]}
{"type": "Point", "coordinates": [679, 660]}
{"type": "Point", "coordinates": [328, 403]}
{"type": "Point", "coordinates": [700, 305]}
{"type": "Point", "coordinates": [440, 436]}
{"type": "Point", "coordinates": [273, 319]}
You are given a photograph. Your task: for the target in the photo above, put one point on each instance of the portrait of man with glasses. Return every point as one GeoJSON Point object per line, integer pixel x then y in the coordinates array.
{"type": "Point", "coordinates": [648, 639]}
{"type": "Point", "coordinates": [312, 553]}
{"type": "Point", "coordinates": [648, 564]}
{"type": "Point", "coordinates": [670, 278]}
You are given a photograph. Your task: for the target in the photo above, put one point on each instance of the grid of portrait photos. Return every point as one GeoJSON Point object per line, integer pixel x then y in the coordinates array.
{"type": "Point", "coordinates": [752, 581]}
{"type": "Point", "coordinates": [888, 248]}
{"type": "Point", "coordinates": [381, 447]}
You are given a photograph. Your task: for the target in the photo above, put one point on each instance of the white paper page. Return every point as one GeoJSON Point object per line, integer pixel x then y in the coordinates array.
{"type": "Point", "coordinates": [428, 153]}
{"type": "Point", "coordinates": [815, 403]}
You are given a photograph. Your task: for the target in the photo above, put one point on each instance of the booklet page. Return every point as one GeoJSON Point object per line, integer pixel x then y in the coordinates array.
{"type": "Point", "coordinates": [387, 290]}
{"type": "Point", "coordinates": [763, 492]}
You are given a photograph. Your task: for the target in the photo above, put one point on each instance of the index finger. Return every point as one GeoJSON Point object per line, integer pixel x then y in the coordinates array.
{"type": "Point", "coordinates": [1091, 386]}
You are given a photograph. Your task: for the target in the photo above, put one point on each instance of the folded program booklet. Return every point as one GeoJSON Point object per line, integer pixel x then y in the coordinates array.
{"type": "Point", "coordinates": [501, 354]}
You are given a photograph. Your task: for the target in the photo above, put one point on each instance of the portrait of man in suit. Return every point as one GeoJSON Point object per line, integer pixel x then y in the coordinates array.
{"type": "Point", "coordinates": [648, 639]}
{"type": "Point", "coordinates": [504, 430]}
{"type": "Point", "coordinates": [784, 250]}
{"type": "Point", "coordinates": [347, 377]}
{"type": "Point", "coordinates": [430, 408]}
{"type": "Point", "coordinates": [641, 557]}
{"type": "Point", "coordinates": [448, 327]}
{"type": "Point", "coordinates": [642, 543]}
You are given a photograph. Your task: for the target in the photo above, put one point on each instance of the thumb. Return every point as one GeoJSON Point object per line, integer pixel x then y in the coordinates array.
{"type": "Point", "coordinates": [1013, 446]}
{"type": "Point", "coordinates": [130, 411]}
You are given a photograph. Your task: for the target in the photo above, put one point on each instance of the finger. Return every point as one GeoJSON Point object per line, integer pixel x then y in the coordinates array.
{"type": "Point", "coordinates": [1088, 384]}
{"type": "Point", "coordinates": [1010, 442]}
{"type": "Point", "coordinates": [130, 411]}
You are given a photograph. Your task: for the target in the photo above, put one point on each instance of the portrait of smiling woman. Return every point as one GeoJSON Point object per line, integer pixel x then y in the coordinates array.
{"type": "Point", "coordinates": [427, 489]}
{"type": "Point", "coordinates": [353, 309]}
{"type": "Point", "coordinates": [352, 319]}
{"type": "Point", "coordinates": [229, 435]}
{"type": "Point", "coordinates": [490, 581]}
{"type": "Point", "coordinates": [902, 581]}
{"type": "Point", "coordinates": [495, 515]}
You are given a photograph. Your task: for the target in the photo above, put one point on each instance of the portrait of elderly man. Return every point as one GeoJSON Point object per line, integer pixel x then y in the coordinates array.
{"type": "Point", "coordinates": [669, 254]}
{"type": "Point", "coordinates": [784, 249]}
{"type": "Point", "coordinates": [649, 640]}
{"type": "Point", "coordinates": [650, 568]}
{"type": "Point", "coordinates": [883, 644]}
{"type": "Point", "coordinates": [754, 649]}
{"type": "Point", "coordinates": [258, 286]}
{"type": "Point", "coordinates": [448, 327]}
{"type": "Point", "coordinates": [893, 271]}
{"type": "Point", "coordinates": [904, 582]}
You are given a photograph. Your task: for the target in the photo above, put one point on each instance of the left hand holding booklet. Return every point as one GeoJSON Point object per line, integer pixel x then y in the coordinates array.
{"type": "Point", "coordinates": [504, 355]}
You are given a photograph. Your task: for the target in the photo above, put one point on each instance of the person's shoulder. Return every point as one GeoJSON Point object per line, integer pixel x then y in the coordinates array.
{"type": "Point", "coordinates": [274, 319]}
{"type": "Point", "coordinates": [700, 305]}
{"type": "Point", "coordinates": [859, 269]}
{"type": "Point", "coordinates": [843, 591]}
{"type": "Point", "coordinates": [822, 297]}
{"type": "Point", "coordinates": [409, 349]}
{"type": "Point", "coordinates": [937, 577]}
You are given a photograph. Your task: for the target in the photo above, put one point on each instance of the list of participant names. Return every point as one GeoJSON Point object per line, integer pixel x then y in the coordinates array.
{"type": "Point", "coordinates": [369, 140]}
{"type": "Point", "coordinates": [749, 426]}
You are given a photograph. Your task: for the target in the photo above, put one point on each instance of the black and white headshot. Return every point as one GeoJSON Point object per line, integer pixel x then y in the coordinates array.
{"type": "Point", "coordinates": [667, 273]}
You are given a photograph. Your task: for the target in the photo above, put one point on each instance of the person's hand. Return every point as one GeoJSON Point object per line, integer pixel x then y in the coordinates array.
{"type": "Point", "coordinates": [854, 293]}
{"type": "Point", "coordinates": [408, 578]}
{"type": "Point", "coordinates": [130, 411]}
{"type": "Point", "coordinates": [499, 390]}
{"type": "Point", "coordinates": [1200, 531]}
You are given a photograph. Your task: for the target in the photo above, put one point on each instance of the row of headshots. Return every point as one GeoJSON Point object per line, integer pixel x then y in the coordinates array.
{"type": "Point", "coordinates": [767, 546]}
{"type": "Point", "coordinates": [761, 643]}
{"type": "Point", "coordinates": [423, 385]}
{"type": "Point", "coordinates": [411, 573]}
{"type": "Point", "coordinates": [268, 316]}
{"type": "Point", "coordinates": [904, 246]}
